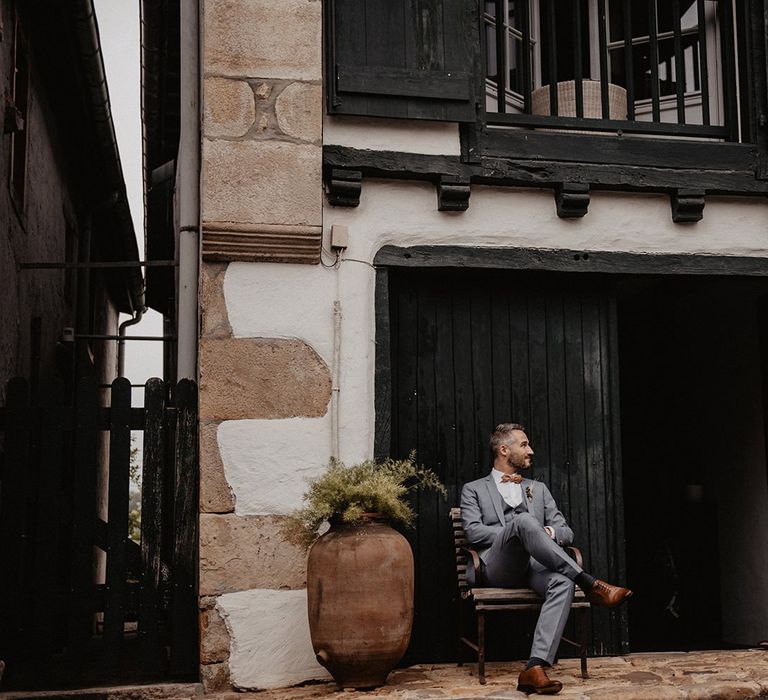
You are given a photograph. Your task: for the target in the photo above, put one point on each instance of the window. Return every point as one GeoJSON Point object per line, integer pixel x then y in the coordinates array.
{"type": "Point", "coordinates": [656, 66]}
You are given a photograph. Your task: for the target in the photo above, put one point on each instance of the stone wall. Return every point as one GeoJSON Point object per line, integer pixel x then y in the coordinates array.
{"type": "Point", "coordinates": [261, 202]}
{"type": "Point", "coordinates": [246, 382]}
{"type": "Point", "coordinates": [261, 130]}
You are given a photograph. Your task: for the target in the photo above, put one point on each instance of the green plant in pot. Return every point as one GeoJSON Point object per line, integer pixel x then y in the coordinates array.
{"type": "Point", "coordinates": [360, 570]}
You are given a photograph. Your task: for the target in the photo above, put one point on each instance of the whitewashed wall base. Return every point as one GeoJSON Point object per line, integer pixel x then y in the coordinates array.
{"type": "Point", "coordinates": [270, 645]}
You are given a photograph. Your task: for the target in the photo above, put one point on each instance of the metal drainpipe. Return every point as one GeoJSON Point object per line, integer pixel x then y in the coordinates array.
{"type": "Point", "coordinates": [189, 190]}
{"type": "Point", "coordinates": [121, 343]}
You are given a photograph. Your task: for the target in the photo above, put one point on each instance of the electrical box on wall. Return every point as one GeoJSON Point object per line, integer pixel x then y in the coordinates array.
{"type": "Point", "coordinates": [339, 237]}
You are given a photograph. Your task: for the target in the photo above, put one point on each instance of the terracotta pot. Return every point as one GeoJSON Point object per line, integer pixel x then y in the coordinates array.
{"type": "Point", "coordinates": [360, 595]}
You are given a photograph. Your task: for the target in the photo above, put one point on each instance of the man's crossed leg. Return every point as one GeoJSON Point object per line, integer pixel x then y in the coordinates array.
{"type": "Point", "coordinates": [523, 553]}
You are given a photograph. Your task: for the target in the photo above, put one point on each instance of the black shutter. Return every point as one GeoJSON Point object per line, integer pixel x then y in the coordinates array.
{"type": "Point", "coordinates": [412, 59]}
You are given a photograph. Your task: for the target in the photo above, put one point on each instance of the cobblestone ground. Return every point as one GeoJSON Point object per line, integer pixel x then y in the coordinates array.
{"type": "Point", "coordinates": [707, 675]}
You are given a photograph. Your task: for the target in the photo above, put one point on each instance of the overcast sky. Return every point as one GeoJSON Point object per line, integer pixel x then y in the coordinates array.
{"type": "Point", "coordinates": [121, 43]}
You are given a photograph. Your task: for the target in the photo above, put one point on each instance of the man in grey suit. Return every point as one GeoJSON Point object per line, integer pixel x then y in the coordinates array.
{"type": "Point", "coordinates": [519, 533]}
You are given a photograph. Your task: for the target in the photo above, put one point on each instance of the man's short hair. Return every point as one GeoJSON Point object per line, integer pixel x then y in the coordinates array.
{"type": "Point", "coordinates": [502, 434]}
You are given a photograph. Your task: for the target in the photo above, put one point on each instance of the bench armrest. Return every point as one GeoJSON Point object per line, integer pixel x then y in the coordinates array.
{"type": "Point", "coordinates": [575, 554]}
{"type": "Point", "coordinates": [475, 558]}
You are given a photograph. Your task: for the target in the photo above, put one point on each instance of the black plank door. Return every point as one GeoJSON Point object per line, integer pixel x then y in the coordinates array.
{"type": "Point", "coordinates": [468, 350]}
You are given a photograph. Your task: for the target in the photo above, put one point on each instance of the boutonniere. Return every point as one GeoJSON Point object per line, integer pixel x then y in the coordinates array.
{"type": "Point", "coordinates": [529, 493]}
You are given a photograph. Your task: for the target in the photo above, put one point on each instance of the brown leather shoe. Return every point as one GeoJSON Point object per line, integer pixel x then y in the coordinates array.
{"type": "Point", "coordinates": [536, 680]}
{"type": "Point", "coordinates": [605, 594]}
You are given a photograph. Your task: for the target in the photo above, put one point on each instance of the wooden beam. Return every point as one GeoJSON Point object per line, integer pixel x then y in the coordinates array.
{"type": "Point", "coordinates": [383, 376]}
{"type": "Point", "coordinates": [594, 261]}
{"type": "Point", "coordinates": [621, 150]}
{"type": "Point", "coordinates": [512, 171]}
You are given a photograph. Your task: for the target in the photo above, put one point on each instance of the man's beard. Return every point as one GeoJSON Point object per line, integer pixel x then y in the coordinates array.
{"type": "Point", "coordinates": [519, 467]}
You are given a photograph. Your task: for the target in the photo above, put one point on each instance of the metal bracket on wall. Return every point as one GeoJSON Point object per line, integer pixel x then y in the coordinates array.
{"type": "Point", "coordinates": [572, 199]}
{"type": "Point", "coordinates": [452, 193]}
{"type": "Point", "coordinates": [100, 336]}
{"type": "Point", "coordinates": [96, 265]}
{"type": "Point", "coordinates": [342, 187]}
{"type": "Point", "coordinates": [687, 206]}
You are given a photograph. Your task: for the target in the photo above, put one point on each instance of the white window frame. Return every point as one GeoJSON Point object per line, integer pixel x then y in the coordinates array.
{"type": "Point", "coordinates": [643, 108]}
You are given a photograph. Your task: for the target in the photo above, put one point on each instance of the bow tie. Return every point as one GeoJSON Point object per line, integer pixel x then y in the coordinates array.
{"type": "Point", "coordinates": [514, 478]}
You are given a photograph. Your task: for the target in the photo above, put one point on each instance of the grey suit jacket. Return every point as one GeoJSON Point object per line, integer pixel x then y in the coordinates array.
{"type": "Point", "coordinates": [482, 512]}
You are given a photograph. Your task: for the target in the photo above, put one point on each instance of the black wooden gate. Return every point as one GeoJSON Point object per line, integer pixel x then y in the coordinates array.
{"type": "Point", "coordinates": [469, 350]}
{"type": "Point", "coordinates": [80, 602]}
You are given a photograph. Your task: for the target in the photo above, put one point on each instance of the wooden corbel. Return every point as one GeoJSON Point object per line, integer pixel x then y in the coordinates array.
{"type": "Point", "coordinates": [687, 206]}
{"type": "Point", "coordinates": [342, 187]}
{"type": "Point", "coordinates": [572, 199]}
{"type": "Point", "coordinates": [452, 193]}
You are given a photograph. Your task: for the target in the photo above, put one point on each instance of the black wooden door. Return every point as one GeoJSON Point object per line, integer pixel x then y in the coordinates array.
{"type": "Point", "coordinates": [469, 350]}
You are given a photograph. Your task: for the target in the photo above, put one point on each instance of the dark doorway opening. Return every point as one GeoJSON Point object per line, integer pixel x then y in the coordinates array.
{"type": "Point", "coordinates": [694, 461]}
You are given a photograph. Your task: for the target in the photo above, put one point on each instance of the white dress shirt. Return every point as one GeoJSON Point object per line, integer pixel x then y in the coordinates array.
{"type": "Point", "coordinates": [512, 494]}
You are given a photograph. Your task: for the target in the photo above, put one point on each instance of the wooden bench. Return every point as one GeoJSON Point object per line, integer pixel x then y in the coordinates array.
{"type": "Point", "coordinates": [492, 600]}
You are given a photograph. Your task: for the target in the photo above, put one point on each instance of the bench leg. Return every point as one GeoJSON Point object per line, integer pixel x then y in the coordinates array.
{"type": "Point", "coordinates": [481, 646]}
{"type": "Point", "coordinates": [459, 633]}
{"type": "Point", "coordinates": [583, 628]}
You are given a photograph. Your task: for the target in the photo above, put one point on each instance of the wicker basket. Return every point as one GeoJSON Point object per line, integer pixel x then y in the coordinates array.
{"type": "Point", "coordinates": [566, 100]}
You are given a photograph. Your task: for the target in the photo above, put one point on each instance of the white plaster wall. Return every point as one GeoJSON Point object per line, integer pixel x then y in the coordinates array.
{"type": "Point", "coordinates": [268, 463]}
{"type": "Point", "coordinates": [297, 301]}
{"type": "Point", "coordinates": [403, 135]}
{"type": "Point", "coordinates": [270, 645]}
{"type": "Point", "coordinates": [405, 213]}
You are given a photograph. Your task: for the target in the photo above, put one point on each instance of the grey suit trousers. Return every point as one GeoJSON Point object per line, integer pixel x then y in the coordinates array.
{"type": "Point", "coordinates": [524, 554]}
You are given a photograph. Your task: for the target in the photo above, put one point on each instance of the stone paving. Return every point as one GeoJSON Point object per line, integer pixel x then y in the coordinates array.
{"type": "Point", "coordinates": [706, 675]}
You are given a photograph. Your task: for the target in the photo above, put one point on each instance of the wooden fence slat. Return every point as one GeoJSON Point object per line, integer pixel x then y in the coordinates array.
{"type": "Point", "coordinates": [184, 629]}
{"type": "Point", "coordinates": [151, 517]}
{"type": "Point", "coordinates": [13, 516]}
{"type": "Point", "coordinates": [47, 627]}
{"type": "Point", "coordinates": [169, 484]}
{"type": "Point", "coordinates": [117, 519]}
{"type": "Point", "coordinates": [80, 618]}
{"type": "Point", "coordinates": [25, 599]}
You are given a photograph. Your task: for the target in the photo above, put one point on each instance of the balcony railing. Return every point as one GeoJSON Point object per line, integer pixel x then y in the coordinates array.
{"type": "Point", "coordinates": [661, 67]}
